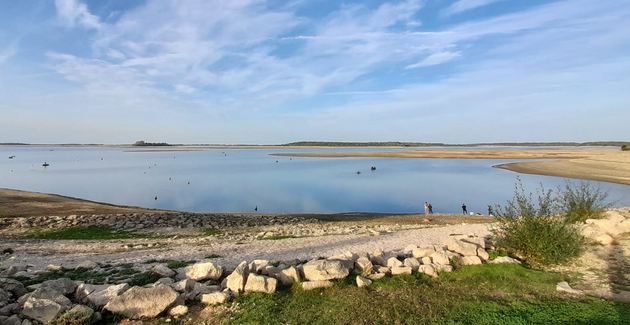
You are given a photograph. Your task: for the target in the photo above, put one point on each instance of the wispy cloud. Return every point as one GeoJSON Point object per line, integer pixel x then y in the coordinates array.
{"type": "Point", "coordinates": [465, 5]}
{"type": "Point", "coordinates": [435, 59]}
{"type": "Point", "coordinates": [73, 13]}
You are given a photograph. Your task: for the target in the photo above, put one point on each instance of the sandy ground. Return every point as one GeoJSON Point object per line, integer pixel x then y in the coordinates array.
{"type": "Point", "coordinates": [14, 203]}
{"type": "Point", "coordinates": [594, 164]}
{"type": "Point", "coordinates": [69, 253]}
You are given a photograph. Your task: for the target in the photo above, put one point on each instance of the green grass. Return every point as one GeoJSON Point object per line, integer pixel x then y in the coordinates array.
{"type": "Point", "coordinates": [488, 294]}
{"type": "Point", "coordinates": [91, 232]}
{"type": "Point", "coordinates": [211, 232]}
{"type": "Point", "coordinates": [7, 251]}
{"type": "Point", "coordinates": [213, 256]}
{"type": "Point", "coordinates": [277, 237]}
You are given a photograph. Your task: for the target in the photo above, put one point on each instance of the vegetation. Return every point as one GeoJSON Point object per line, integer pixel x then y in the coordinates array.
{"type": "Point", "coordinates": [68, 318]}
{"type": "Point", "coordinates": [487, 294]}
{"type": "Point", "coordinates": [581, 202]}
{"type": "Point", "coordinates": [87, 233]}
{"type": "Point", "coordinates": [211, 256]}
{"type": "Point", "coordinates": [546, 232]}
{"type": "Point", "coordinates": [277, 237]}
{"type": "Point", "coordinates": [7, 251]}
{"type": "Point", "coordinates": [211, 232]}
{"type": "Point", "coordinates": [150, 144]}
{"type": "Point", "coordinates": [625, 147]}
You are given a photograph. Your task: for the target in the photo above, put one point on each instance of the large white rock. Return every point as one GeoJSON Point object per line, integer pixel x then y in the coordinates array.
{"type": "Point", "coordinates": [443, 268]}
{"type": "Point", "coordinates": [203, 271]}
{"type": "Point", "coordinates": [258, 266]}
{"type": "Point", "coordinates": [463, 248]}
{"type": "Point", "coordinates": [504, 260]}
{"type": "Point", "coordinates": [215, 298]}
{"type": "Point", "coordinates": [613, 216]}
{"type": "Point", "coordinates": [423, 251]}
{"type": "Point", "coordinates": [99, 295]}
{"type": "Point", "coordinates": [392, 261]}
{"type": "Point", "coordinates": [564, 287]}
{"type": "Point", "coordinates": [348, 263]}
{"type": "Point", "coordinates": [412, 263]}
{"type": "Point", "coordinates": [425, 260]}
{"type": "Point", "coordinates": [289, 276]}
{"type": "Point", "coordinates": [236, 280]}
{"type": "Point", "coordinates": [260, 283]}
{"type": "Point", "coordinates": [428, 269]}
{"type": "Point", "coordinates": [162, 270]}
{"type": "Point", "coordinates": [48, 293]}
{"type": "Point", "coordinates": [482, 254]}
{"type": "Point", "coordinates": [200, 289]}
{"type": "Point", "coordinates": [87, 265]}
{"type": "Point", "coordinates": [322, 270]}
{"type": "Point", "coordinates": [410, 248]}
{"type": "Point", "coordinates": [607, 226]}
{"type": "Point", "coordinates": [604, 239]}
{"type": "Point", "coordinates": [398, 270]}
{"type": "Point", "coordinates": [63, 285]}
{"type": "Point", "coordinates": [143, 302]}
{"type": "Point", "coordinates": [42, 310]}
{"type": "Point", "coordinates": [363, 265]}
{"type": "Point", "coordinates": [469, 260]}
{"type": "Point", "coordinates": [363, 282]}
{"type": "Point", "coordinates": [184, 285]}
{"type": "Point", "coordinates": [310, 285]}
{"type": "Point", "coordinates": [440, 258]}
{"type": "Point", "coordinates": [376, 276]}
{"type": "Point", "coordinates": [178, 311]}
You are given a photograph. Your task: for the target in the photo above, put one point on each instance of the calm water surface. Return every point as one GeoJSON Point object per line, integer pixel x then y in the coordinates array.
{"type": "Point", "coordinates": [237, 180]}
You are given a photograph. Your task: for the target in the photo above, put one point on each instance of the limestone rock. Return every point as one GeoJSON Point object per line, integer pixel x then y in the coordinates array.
{"type": "Point", "coordinates": [99, 295]}
{"type": "Point", "coordinates": [382, 269]}
{"type": "Point", "coordinates": [469, 260]}
{"type": "Point", "coordinates": [322, 270]}
{"type": "Point", "coordinates": [143, 302]}
{"type": "Point", "coordinates": [52, 267]}
{"type": "Point", "coordinates": [378, 260]}
{"type": "Point", "coordinates": [10, 309]}
{"type": "Point", "coordinates": [423, 251]}
{"type": "Point", "coordinates": [236, 280]}
{"type": "Point", "coordinates": [463, 248]}
{"type": "Point", "coordinates": [398, 270]}
{"type": "Point", "coordinates": [13, 270]}
{"type": "Point", "coordinates": [392, 261]}
{"type": "Point", "coordinates": [63, 285]}
{"type": "Point", "coordinates": [257, 266]}
{"type": "Point", "coordinates": [428, 269]}
{"type": "Point", "coordinates": [184, 285]}
{"type": "Point", "coordinates": [87, 265]}
{"type": "Point", "coordinates": [363, 282]}
{"type": "Point", "coordinates": [412, 263]}
{"type": "Point", "coordinates": [441, 258]}
{"type": "Point", "coordinates": [363, 265]}
{"type": "Point", "coordinates": [42, 310]}
{"type": "Point", "coordinates": [215, 298]}
{"type": "Point", "coordinates": [604, 239]}
{"type": "Point", "coordinates": [5, 298]}
{"type": "Point", "coordinates": [347, 262]}
{"type": "Point", "coordinates": [13, 320]}
{"type": "Point", "coordinates": [376, 276]}
{"type": "Point", "coordinates": [410, 248]}
{"type": "Point", "coordinates": [310, 285]}
{"type": "Point", "coordinates": [201, 289]}
{"type": "Point", "coordinates": [504, 260]}
{"type": "Point", "coordinates": [177, 311]}
{"type": "Point", "coordinates": [260, 283]}
{"type": "Point", "coordinates": [482, 254]}
{"type": "Point", "coordinates": [203, 271]}
{"type": "Point", "coordinates": [15, 287]}
{"type": "Point", "coordinates": [48, 293]}
{"type": "Point", "coordinates": [162, 270]}
{"type": "Point", "coordinates": [607, 226]}
{"type": "Point", "coordinates": [564, 286]}
{"type": "Point", "coordinates": [426, 260]}
{"type": "Point", "coordinates": [288, 276]}
{"type": "Point", "coordinates": [443, 268]}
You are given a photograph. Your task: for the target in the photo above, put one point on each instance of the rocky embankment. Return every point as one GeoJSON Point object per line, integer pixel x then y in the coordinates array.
{"type": "Point", "coordinates": [211, 284]}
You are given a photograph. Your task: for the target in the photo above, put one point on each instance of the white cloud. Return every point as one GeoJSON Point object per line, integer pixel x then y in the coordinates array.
{"type": "Point", "coordinates": [435, 59]}
{"type": "Point", "coordinates": [74, 13]}
{"type": "Point", "coordinates": [464, 5]}
{"type": "Point", "coordinates": [5, 55]}
{"type": "Point", "coordinates": [184, 89]}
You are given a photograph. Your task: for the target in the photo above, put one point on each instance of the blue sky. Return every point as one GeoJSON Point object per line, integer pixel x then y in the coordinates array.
{"type": "Point", "coordinates": [267, 72]}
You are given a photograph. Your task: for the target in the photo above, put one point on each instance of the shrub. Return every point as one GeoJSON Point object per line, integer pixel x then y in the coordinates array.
{"type": "Point", "coordinates": [7, 251]}
{"type": "Point", "coordinates": [625, 147]}
{"type": "Point", "coordinates": [538, 233]}
{"type": "Point", "coordinates": [581, 202]}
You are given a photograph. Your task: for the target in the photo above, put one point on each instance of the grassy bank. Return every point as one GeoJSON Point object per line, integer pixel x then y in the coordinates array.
{"type": "Point", "coordinates": [488, 294]}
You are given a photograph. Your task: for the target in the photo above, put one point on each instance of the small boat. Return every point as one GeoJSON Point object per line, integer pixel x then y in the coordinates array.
{"type": "Point", "coordinates": [11, 157]}
{"type": "Point", "coordinates": [45, 164]}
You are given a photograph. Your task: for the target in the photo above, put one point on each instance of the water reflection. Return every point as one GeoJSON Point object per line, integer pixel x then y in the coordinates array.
{"type": "Point", "coordinates": [238, 180]}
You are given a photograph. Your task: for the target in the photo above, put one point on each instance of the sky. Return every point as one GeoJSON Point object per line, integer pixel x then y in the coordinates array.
{"type": "Point", "coordinates": [272, 72]}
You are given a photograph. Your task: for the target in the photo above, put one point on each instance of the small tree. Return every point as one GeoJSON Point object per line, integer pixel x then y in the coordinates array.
{"type": "Point", "coordinates": [581, 202]}
{"type": "Point", "coordinates": [538, 232]}
{"type": "Point", "coordinates": [625, 147]}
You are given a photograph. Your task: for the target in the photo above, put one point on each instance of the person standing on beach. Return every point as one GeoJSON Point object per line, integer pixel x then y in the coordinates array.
{"type": "Point", "coordinates": [430, 209]}
{"type": "Point", "coordinates": [426, 208]}
{"type": "Point", "coordinates": [464, 211]}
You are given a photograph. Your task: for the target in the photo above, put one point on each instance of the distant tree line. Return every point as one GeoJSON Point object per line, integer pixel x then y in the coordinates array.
{"type": "Point", "coordinates": [625, 147]}
{"type": "Point", "coordinates": [150, 144]}
{"type": "Point", "coordinates": [425, 144]}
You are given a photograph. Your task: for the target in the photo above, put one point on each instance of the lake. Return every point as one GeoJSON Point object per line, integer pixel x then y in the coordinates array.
{"type": "Point", "coordinates": [237, 180]}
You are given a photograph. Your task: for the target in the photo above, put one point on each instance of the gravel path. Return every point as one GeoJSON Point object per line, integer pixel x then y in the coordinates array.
{"type": "Point", "coordinates": [71, 253]}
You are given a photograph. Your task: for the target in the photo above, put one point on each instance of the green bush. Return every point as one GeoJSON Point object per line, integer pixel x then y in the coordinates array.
{"type": "Point", "coordinates": [581, 202]}
{"type": "Point", "coordinates": [625, 147]}
{"type": "Point", "coordinates": [538, 233]}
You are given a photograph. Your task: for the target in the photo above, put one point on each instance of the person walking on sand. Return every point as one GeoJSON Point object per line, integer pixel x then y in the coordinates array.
{"type": "Point", "coordinates": [430, 209]}
{"type": "Point", "coordinates": [464, 211]}
{"type": "Point", "coordinates": [490, 211]}
{"type": "Point", "coordinates": [426, 208]}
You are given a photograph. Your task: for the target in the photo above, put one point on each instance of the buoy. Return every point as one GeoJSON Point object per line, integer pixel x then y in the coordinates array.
{"type": "Point", "coordinates": [188, 183]}
{"type": "Point", "coordinates": [358, 173]}
{"type": "Point", "coordinates": [156, 197]}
